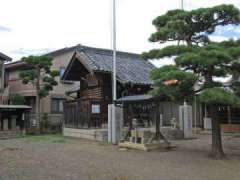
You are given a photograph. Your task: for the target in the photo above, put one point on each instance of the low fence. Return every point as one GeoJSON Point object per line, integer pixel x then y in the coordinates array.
{"type": "Point", "coordinates": [85, 113]}
{"type": "Point", "coordinates": [49, 123]}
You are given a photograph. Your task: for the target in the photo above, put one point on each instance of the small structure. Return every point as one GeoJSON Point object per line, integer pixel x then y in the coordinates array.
{"type": "Point", "coordinates": [141, 112]}
{"type": "Point", "coordinates": [87, 115]}
{"type": "Point", "coordinates": [13, 120]}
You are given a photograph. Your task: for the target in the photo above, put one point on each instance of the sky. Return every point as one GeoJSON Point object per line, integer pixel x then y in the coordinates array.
{"type": "Point", "coordinates": [32, 27]}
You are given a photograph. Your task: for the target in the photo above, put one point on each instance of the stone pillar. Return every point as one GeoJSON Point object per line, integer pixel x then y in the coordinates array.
{"type": "Point", "coordinates": [5, 124]}
{"type": "Point", "coordinates": [115, 127]}
{"type": "Point", "coordinates": [185, 115]}
{"type": "Point", "coordinates": [13, 122]}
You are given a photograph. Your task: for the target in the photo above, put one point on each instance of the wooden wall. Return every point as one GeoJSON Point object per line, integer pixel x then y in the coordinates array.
{"type": "Point", "coordinates": [96, 89]}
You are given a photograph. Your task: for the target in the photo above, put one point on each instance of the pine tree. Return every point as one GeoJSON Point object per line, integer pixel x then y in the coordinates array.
{"type": "Point", "coordinates": [198, 61]}
{"type": "Point", "coordinates": [40, 76]}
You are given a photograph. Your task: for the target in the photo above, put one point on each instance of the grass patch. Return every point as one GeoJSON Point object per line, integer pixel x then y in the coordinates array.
{"type": "Point", "coordinates": [51, 138]}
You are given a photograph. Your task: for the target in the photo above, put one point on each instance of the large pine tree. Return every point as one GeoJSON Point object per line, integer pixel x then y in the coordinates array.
{"type": "Point", "coordinates": [198, 61]}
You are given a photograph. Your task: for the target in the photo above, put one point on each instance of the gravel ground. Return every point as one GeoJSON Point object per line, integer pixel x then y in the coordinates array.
{"type": "Point", "coordinates": [56, 158]}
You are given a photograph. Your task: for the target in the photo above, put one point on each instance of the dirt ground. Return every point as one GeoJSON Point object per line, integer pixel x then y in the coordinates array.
{"type": "Point", "coordinates": [58, 158]}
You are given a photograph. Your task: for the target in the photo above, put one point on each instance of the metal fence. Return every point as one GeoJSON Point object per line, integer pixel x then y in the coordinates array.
{"type": "Point", "coordinates": [49, 123]}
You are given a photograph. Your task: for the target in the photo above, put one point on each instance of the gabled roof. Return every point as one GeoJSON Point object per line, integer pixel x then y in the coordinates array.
{"type": "Point", "coordinates": [15, 65]}
{"type": "Point", "coordinates": [131, 68]}
{"type": "Point", "coordinates": [4, 57]}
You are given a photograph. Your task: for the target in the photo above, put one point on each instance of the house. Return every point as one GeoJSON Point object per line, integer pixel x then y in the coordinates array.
{"type": "Point", "coordinates": [3, 95]}
{"type": "Point", "coordinates": [52, 105]}
{"type": "Point", "coordinates": [12, 117]}
{"type": "Point", "coordinates": [92, 67]}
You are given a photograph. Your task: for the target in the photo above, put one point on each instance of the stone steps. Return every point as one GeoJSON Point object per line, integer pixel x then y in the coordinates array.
{"type": "Point", "coordinates": [11, 134]}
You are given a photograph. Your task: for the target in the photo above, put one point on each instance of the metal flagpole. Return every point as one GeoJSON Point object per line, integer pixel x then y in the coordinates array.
{"type": "Point", "coordinates": [182, 6]}
{"type": "Point", "coordinates": [114, 83]}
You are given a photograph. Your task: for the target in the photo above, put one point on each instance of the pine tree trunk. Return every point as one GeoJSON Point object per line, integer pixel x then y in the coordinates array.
{"type": "Point", "coordinates": [217, 149]}
{"type": "Point", "coordinates": [38, 116]}
{"type": "Point", "coordinates": [38, 113]}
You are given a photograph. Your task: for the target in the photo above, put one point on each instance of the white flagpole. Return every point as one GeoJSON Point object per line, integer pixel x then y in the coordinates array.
{"type": "Point", "coordinates": [114, 83]}
{"type": "Point", "coordinates": [182, 6]}
{"type": "Point", "coordinates": [114, 51]}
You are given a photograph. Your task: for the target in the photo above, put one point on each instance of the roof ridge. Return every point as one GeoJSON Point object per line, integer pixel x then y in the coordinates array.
{"type": "Point", "coordinates": [81, 47]}
{"type": "Point", "coordinates": [104, 50]}
{"type": "Point", "coordinates": [5, 57]}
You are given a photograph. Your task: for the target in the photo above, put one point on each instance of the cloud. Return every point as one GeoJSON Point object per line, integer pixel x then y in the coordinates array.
{"type": "Point", "coordinates": [5, 29]}
{"type": "Point", "coordinates": [86, 22]}
{"type": "Point", "coordinates": [218, 38]}
{"type": "Point", "coordinates": [26, 52]}
{"type": "Point", "coordinates": [163, 61]}
{"type": "Point", "coordinates": [226, 32]}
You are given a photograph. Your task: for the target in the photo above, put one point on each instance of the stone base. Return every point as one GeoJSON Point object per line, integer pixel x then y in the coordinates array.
{"type": "Point", "coordinates": [233, 128]}
{"type": "Point", "coordinates": [91, 134]}
{"type": "Point", "coordinates": [143, 147]}
{"type": "Point", "coordinates": [172, 134]}
{"type": "Point", "coordinates": [11, 134]}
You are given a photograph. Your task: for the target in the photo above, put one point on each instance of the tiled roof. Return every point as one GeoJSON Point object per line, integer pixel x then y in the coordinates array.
{"type": "Point", "coordinates": [4, 57]}
{"type": "Point", "coordinates": [131, 68]}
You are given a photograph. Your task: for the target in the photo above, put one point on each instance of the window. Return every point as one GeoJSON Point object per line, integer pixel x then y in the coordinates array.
{"type": "Point", "coordinates": [61, 71]}
{"type": "Point", "coordinates": [57, 105]}
{"type": "Point", "coordinates": [95, 108]}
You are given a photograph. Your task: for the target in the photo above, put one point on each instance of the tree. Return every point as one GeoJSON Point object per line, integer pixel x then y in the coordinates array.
{"type": "Point", "coordinates": [17, 99]}
{"type": "Point", "coordinates": [193, 26]}
{"type": "Point", "coordinates": [198, 61]}
{"type": "Point", "coordinates": [40, 76]}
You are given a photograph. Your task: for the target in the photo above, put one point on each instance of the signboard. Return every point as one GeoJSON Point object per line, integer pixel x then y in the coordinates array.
{"type": "Point", "coordinates": [95, 108]}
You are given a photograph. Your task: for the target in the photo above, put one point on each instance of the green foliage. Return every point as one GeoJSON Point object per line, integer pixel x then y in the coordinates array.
{"type": "Point", "coordinates": [169, 51]}
{"type": "Point", "coordinates": [181, 86]}
{"type": "Point", "coordinates": [41, 62]}
{"type": "Point", "coordinates": [193, 26]}
{"type": "Point", "coordinates": [156, 73]}
{"type": "Point", "coordinates": [206, 60]}
{"type": "Point", "coordinates": [17, 99]}
{"type": "Point", "coordinates": [195, 63]}
{"type": "Point", "coordinates": [40, 75]}
{"type": "Point", "coordinates": [218, 95]}
{"type": "Point", "coordinates": [236, 87]}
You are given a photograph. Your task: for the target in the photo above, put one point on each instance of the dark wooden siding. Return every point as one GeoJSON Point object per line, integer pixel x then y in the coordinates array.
{"type": "Point", "coordinates": [96, 89]}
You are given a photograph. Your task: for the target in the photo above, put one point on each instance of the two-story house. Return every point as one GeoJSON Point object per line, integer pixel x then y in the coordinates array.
{"type": "Point", "coordinates": [13, 118]}
{"type": "Point", "coordinates": [52, 105]}
{"type": "Point", "coordinates": [3, 92]}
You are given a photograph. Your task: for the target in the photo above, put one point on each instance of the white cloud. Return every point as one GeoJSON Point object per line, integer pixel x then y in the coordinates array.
{"type": "Point", "coordinates": [218, 38]}
{"type": "Point", "coordinates": [4, 29]}
{"type": "Point", "coordinates": [164, 61]}
{"type": "Point", "coordinates": [26, 52]}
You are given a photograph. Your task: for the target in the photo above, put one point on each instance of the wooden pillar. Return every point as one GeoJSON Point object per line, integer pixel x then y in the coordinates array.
{"type": "Point", "coordinates": [157, 120]}
{"type": "Point", "coordinates": [131, 117]}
